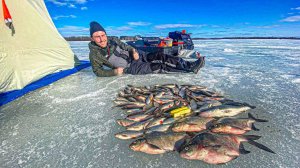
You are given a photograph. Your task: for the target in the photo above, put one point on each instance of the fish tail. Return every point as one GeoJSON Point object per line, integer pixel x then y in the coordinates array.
{"type": "Point", "coordinates": [191, 134]}
{"type": "Point", "coordinates": [246, 104]}
{"type": "Point", "coordinates": [251, 137]}
{"type": "Point", "coordinates": [256, 119]}
{"type": "Point", "coordinates": [254, 128]}
{"type": "Point", "coordinates": [260, 146]}
{"type": "Point", "coordinates": [183, 145]}
{"type": "Point", "coordinates": [242, 150]}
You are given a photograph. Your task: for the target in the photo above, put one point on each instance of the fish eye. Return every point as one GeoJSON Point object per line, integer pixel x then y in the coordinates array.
{"type": "Point", "coordinates": [214, 126]}
{"type": "Point", "coordinates": [136, 142]}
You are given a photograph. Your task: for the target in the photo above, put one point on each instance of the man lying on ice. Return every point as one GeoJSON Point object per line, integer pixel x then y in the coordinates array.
{"type": "Point", "coordinates": [124, 59]}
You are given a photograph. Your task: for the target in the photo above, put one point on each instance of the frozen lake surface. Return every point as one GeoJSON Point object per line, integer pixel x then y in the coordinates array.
{"type": "Point", "coordinates": [71, 124]}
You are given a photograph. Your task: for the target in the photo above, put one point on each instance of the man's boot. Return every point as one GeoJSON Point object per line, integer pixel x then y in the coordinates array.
{"type": "Point", "coordinates": [195, 66]}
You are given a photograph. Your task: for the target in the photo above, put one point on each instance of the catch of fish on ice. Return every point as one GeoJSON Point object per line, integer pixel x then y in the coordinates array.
{"type": "Point", "coordinates": [197, 123]}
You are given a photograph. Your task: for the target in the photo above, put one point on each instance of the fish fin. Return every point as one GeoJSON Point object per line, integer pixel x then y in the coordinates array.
{"type": "Point", "coordinates": [185, 144]}
{"type": "Point", "coordinates": [251, 137]}
{"type": "Point", "coordinates": [154, 146]}
{"type": "Point", "coordinates": [192, 124]}
{"type": "Point", "coordinates": [134, 113]}
{"type": "Point", "coordinates": [242, 150]}
{"type": "Point", "coordinates": [215, 146]}
{"type": "Point", "coordinates": [254, 128]}
{"type": "Point", "coordinates": [179, 144]}
{"type": "Point", "coordinates": [191, 134]}
{"type": "Point", "coordinates": [260, 146]}
{"type": "Point", "coordinates": [246, 104]}
{"type": "Point", "coordinates": [256, 119]}
{"type": "Point", "coordinates": [233, 103]}
{"type": "Point", "coordinates": [236, 127]}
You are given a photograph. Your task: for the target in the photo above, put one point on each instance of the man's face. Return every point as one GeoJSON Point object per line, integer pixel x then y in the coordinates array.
{"type": "Point", "coordinates": [100, 38]}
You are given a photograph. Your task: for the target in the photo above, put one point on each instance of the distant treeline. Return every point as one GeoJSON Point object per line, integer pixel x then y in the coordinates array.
{"type": "Point", "coordinates": [87, 38]}
{"type": "Point", "coordinates": [83, 38]}
{"type": "Point", "coordinates": [220, 38]}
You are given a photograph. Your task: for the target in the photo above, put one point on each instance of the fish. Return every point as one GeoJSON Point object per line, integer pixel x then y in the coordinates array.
{"type": "Point", "coordinates": [119, 102]}
{"type": "Point", "coordinates": [138, 126]}
{"type": "Point", "coordinates": [138, 117]}
{"type": "Point", "coordinates": [150, 110]}
{"type": "Point", "coordinates": [224, 110]}
{"type": "Point", "coordinates": [195, 87]}
{"type": "Point", "coordinates": [136, 110]}
{"type": "Point", "coordinates": [175, 90]}
{"type": "Point", "coordinates": [209, 132]}
{"type": "Point", "coordinates": [210, 154]}
{"type": "Point", "coordinates": [163, 100]}
{"type": "Point", "coordinates": [132, 99]}
{"type": "Point", "coordinates": [141, 98]}
{"type": "Point", "coordinates": [139, 104]}
{"type": "Point", "coordinates": [155, 122]}
{"type": "Point", "coordinates": [218, 148]}
{"type": "Point", "coordinates": [182, 92]}
{"type": "Point", "coordinates": [207, 104]}
{"type": "Point", "coordinates": [167, 106]}
{"type": "Point", "coordinates": [158, 128]}
{"type": "Point", "coordinates": [235, 125]}
{"type": "Point", "coordinates": [129, 134]}
{"type": "Point", "coordinates": [209, 93]}
{"type": "Point", "coordinates": [158, 143]}
{"type": "Point", "coordinates": [192, 124]}
{"type": "Point", "coordinates": [125, 122]}
{"type": "Point", "coordinates": [149, 99]}
{"type": "Point", "coordinates": [193, 104]}
{"type": "Point", "coordinates": [170, 86]}
{"type": "Point", "coordinates": [169, 120]}
{"type": "Point", "coordinates": [159, 94]}
{"type": "Point", "coordinates": [121, 94]}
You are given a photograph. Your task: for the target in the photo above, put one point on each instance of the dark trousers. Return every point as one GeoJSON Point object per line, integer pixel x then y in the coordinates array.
{"type": "Point", "coordinates": [157, 63]}
{"type": "Point", "coordinates": [169, 60]}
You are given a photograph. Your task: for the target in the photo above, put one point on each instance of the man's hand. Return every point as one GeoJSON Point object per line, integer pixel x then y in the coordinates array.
{"type": "Point", "coordinates": [198, 55]}
{"type": "Point", "coordinates": [135, 54]}
{"type": "Point", "coordinates": [119, 71]}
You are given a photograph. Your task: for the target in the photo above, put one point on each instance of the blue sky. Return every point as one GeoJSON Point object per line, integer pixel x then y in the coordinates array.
{"type": "Point", "coordinates": [202, 18]}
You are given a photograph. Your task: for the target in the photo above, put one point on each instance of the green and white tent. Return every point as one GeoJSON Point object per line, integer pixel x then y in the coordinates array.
{"type": "Point", "coordinates": [30, 45]}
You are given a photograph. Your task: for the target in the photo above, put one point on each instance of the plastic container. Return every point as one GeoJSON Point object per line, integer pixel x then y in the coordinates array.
{"type": "Point", "coordinates": [180, 112]}
{"type": "Point", "coordinates": [169, 42]}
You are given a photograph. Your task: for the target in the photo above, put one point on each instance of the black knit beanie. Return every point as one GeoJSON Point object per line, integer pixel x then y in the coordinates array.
{"type": "Point", "coordinates": [94, 27]}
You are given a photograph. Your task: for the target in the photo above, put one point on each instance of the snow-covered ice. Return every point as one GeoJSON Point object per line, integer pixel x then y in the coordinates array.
{"type": "Point", "coordinates": [70, 123]}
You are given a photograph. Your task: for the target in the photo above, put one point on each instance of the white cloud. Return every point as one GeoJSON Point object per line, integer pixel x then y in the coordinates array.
{"type": "Point", "coordinates": [74, 28]}
{"type": "Point", "coordinates": [124, 28]}
{"type": "Point", "coordinates": [291, 19]}
{"type": "Point", "coordinates": [74, 31]}
{"type": "Point", "coordinates": [138, 23]}
{"type": "Point", "coordinates": [298, 8]}
{"type": "Point", "coordinates": [167, 26]}
{"type": "Point", "coordinates": [118, 31]}
{"type": "Point", "coordinates": [215, 26]}
{"type": "Point", "coordinates": [72, 6]}
{"type": "Point", "coordinates": [80, 1]}
{"type": "Point", "coordinates": [84, 8]}
{"type": "Point", "coordinates": [63, 16]}
{"type": "Point", "coordinates": [267, 27]}
{"type": "Point", "coordinates": [69, 3]}
{"type": "Point", "coordinates": [55, 2]}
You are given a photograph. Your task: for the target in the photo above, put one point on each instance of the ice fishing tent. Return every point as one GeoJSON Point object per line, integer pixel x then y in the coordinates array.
{"type": "Point", "coordinates": [34, 50]}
